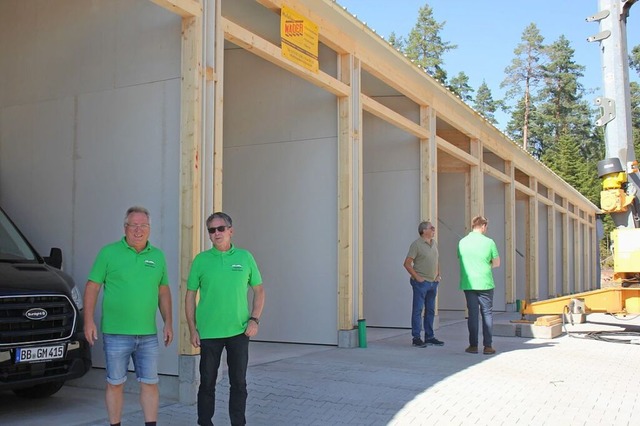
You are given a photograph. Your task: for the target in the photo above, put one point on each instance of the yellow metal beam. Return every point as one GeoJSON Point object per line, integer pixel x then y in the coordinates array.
{"type": "Point", "coordinates": [606, 300]}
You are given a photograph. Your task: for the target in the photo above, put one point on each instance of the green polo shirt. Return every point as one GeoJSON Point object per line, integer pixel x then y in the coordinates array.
{"type": "Point", "coordinates": [475, 253]}
{"type": "Point", "coordinates": [223, 278]}
{"type": "Point", "coordinates": [131, 281]}
{"type": "Point", "coordinates": [425, 258]}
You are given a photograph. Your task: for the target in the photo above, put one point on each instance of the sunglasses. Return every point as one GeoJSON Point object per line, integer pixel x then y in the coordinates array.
{"type": "Point", "coordinates": [220, 228]}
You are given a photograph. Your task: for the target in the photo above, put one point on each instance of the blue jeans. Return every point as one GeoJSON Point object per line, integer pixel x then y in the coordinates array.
{"type": "Point", "coordinates": [424, 296]}
{"type": "Point", "coordinates": [119, 348]}
{"type": "Point", "coordinates": [480, 302]}
{"type": "Point", "coordinates": [237, 360]}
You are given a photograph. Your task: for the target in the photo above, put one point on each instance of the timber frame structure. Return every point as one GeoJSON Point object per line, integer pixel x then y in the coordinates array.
{"type": "Point", "coordinates": [189, 106]}
{"type": "Point", "coordinates": [453, 139]}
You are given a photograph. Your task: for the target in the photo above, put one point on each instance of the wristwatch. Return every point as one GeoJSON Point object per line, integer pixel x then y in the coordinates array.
{"type": "Point", "coordinates": [254, 319]}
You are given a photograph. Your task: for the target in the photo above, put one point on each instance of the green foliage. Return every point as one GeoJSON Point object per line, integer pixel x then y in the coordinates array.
{"type": "Point", "coordinates": [425, 46]}
{"type": "Point", "coordinates": [561, 107]}
{"type": "Point", "coordinates": [485, 104]}
{"type": "Point", "coordinates": [396, 41]}
{"type": "Point", "coordinates": [460, 86]}
{"type": "Point", "coordinates": [521, 78]}
{"type": "Point", "coordinates": [634, 59]}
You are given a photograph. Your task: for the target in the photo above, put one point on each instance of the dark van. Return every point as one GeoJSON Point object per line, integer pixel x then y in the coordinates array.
{"type": "Point", "coordinates": [42, 342]}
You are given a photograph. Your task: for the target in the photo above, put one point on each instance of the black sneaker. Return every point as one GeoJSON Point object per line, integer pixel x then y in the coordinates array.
{"type": "Point", "coordinates": [418, 343]}
{"type": "Point", "coordinates": [435, 342]}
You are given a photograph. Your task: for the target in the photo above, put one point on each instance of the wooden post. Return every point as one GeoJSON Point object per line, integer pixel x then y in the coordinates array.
{"type": "Point", "coordinates": [510, 234]}
{"type": "Point", "coordinates": [190, 167]}
{"type": "Point", "coordinates": [551, 244]}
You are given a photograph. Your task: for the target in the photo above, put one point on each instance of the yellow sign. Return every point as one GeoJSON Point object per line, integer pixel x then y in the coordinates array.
{"type": "Point", "coordinates": [299, 39]}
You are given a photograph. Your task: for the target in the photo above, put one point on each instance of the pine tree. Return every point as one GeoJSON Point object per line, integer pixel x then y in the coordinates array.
{"type": "Point", "coordinates": [485, 104]}
{"type": "Point", "coordinates": [564, 158]}
{"type": "Point", "coordinates": [634, 59]}
{"type": "Point", "coordinates": [396, 41]}
{"type": "Point", "coordinates": [562, 109]}
{"type": "Point", "coordinates": [425, 46]}
{"type": "Point", "coordinates": [522, 77]}
{"type": "Point", "coordinates": [460, 86]}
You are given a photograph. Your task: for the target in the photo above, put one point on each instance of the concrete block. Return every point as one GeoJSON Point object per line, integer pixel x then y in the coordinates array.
{"type": "Point", "coordinates": [189, 375]}
{"type": "Point", "coordinates": [348, 338]}
{"type": "Point", "coordinates": [540, 331]}
{"type": "Point", "coordinates": [506, 329]}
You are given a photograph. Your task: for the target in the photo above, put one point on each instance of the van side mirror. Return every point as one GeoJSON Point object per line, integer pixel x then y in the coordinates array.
{"type": "Point", "coordinates": [55, 258]}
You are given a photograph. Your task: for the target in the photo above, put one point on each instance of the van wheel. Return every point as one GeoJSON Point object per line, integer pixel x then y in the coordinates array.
{"type": "Point", "coordinates": [39, 391]}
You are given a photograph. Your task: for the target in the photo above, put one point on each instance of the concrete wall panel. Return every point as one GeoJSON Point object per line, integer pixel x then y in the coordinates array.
{"type": "Point", "coordinates": [280, 186]}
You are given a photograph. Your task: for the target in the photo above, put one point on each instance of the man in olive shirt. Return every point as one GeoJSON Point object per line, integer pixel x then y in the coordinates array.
{"type": "Point", "coordinates": [222, 320]}
{"type": "Point", "coordinates": [423, 265]}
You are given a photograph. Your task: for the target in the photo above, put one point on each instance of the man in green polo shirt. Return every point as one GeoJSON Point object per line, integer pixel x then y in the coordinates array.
{"type": "Point", "coordinates": [133, 274]}
{"type": "Point", "coordinates": [478, 255]}
{"type": "Point", "coordinates": [422, 264]}
{"type": "Point", "coordinates": [222, 318]}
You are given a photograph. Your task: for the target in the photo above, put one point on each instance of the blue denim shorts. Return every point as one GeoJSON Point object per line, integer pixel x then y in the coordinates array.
{"type": "Point", "coordinates": [143, 350]}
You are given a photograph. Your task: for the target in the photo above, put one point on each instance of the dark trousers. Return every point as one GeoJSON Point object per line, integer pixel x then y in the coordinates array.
{"type": "Point", "coordinates": [237, 360]}
{"type": "Point", "coordinates": [480, 302]}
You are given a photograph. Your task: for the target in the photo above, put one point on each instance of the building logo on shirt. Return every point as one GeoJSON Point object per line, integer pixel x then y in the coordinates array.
{"type": "Point", "coordinates": [237, 267]}
{"type": "Point", "coordinates": [150, 263]}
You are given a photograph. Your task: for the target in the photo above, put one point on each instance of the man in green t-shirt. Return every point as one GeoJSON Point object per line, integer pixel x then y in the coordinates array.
{"type": "Point", "coordinates": [133, 274]}
{"type": "Point", "coordinates": [478, 255]}
{"type": "Point", "coordinates": [222, 318]}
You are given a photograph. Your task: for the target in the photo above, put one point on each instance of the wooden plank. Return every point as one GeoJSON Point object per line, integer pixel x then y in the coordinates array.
{"type": "Point", "coordinates": [477, 179]}
{"type": "Point", "coordinates": [510, 235]}
{"type": "Point", "coordinates": [565, 248]}
{"type": "Point", "coordinates": [428, 167]}
{"type": "Point", "coordinates": [218, 134]}
{"type": "Point", "coordinates": [184, 8]}
{"type": "Point", "coordinates": [190, 167]}
{"type": "Point", "coordinates": [531, 260]}
{"type": "Point", "coordinates": [272, 53]}
{"type": "Point", "coordinates": [551, 247]}
{"type": "Point", "coordinates": [345, 198]}
{"type": "Point", "coordinates": [456, 152]}
{"type": "Point", "coordinates": [390, 116]}
{"type": "Point", "coordinates": [492, 171]}
{"type": "Point", "coordinates": [577, 256]}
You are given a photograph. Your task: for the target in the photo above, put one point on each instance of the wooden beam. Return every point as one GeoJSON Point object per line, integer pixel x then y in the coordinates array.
{"type": "Point", "coordinates": [532, 260]}
{"type": "Point", "coordinates": [476, 176]}
{"type": "Point", "coordinates": [218, 134]}
{"type": "Point", "coordinates": [272, 53]}
{"type": "Point", "coordinates": [577, 256]}
{"type": "Point", "coordinates": [565, 247]}
{"type": "Point", "coordinates": [551, 247]}
{"type": "Point", "coordinates": [346, 199]}
{"type": "Point", "coordinates": [190, 164]}
{"type": "Point", "coordinates": [510, 234]}
{"type": "Point", "coordinates": [184, 8]}
{"type": "Point", "coordinates": [456, 152]}
{"type": "Point", "coordinates": [428, 167]}
{"type": "Point", "coordinates": [492, 171]}
{"type": "Point", "coordinates": [524, 189]}
{"type": "Point", "coordinates": [390, 116]}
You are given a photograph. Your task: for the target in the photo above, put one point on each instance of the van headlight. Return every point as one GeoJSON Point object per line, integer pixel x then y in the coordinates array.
{"type": "Point", "coordinates": [77, 297]}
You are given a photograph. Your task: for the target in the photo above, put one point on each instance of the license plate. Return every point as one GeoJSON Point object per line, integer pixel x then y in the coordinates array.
{"type": "Point", "coordinates": [39, 353]}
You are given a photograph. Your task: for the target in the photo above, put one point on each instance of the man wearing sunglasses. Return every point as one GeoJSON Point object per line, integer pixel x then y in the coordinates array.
{"type": "Point", "coordinates": [223, 319]}
{"type": "Point", "coordinates": [423, 265]}
{"type": "Point", "coordinates": [133, 274]}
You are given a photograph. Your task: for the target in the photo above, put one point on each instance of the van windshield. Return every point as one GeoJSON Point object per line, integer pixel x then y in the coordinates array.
{"type": "Point", "coordinates": [13, 247]}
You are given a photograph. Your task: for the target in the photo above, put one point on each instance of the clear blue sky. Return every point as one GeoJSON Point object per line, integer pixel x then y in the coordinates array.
{"type": "Point", "coordinates": [487, 32]}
